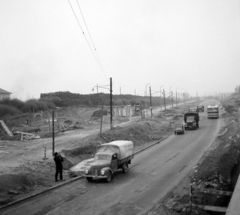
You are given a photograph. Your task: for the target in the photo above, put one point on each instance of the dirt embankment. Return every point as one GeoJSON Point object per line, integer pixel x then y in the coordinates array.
{"type": "Point", "coordinates": [217, 170]}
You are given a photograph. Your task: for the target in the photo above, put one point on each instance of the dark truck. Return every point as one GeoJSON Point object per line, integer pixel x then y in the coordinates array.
{"type": "Point", "coordinates": [110, 157]}
{"type": "Point", "coordinates": [191, 120]}
{"type": "Point", "coordinates": [200, 108]}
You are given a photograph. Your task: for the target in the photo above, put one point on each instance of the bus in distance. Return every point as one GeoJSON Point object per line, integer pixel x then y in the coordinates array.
{"type": "Point", "coordinates": [213, 111]}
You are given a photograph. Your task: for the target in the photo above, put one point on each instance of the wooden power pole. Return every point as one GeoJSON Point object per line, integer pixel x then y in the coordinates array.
{"type": "Point", "coordinates": [111, 110]}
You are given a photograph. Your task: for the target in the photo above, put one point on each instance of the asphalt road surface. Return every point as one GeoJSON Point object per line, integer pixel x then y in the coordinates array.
{"type": "Point", "coordinates": [152, 174]}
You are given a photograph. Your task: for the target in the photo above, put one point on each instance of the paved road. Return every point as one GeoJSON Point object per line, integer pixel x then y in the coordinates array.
{"type": "Point", "coordinates": [153, 173]}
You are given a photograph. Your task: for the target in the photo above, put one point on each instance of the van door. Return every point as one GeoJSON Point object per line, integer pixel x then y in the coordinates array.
{"type": "Point", "coordinates": [114, 163]}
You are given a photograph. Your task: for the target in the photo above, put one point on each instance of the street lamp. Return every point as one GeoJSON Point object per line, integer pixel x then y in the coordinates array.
{"type": "Point", "coordinates": [103, 86]}
{"type": "Point", "coordinates": [160, 95]}
{"type": "Point", "coordinates": [146, 89]}
{"type": "Point", "coordinates": [111, 110]}
{"type": "Point", "coordinates": [170, 93]}
{"type": "Point", "coordinates": [161, 90]}
{"type": "Point", "coordinates": [170, 90]}
{"type": "Point", "coordinates": [186, 93]}
{"type": "Point", "coordinates": [181, 93]}
{"type": "Point", "coordinates": [176, 95]}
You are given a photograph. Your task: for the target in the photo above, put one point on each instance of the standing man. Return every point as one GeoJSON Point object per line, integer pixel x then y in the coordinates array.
{"type": "Point", "coordinates": [58, 161]}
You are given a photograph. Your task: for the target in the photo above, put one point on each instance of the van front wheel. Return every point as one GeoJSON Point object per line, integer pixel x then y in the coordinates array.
{"type": "Point", "coordinates": [125, 167]}
{"type": "Point", "coordinates": [109, 177]}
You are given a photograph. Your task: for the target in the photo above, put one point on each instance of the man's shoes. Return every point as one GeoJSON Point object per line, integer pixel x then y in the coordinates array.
{"type": "Point", "coordinates": [62, 179]}
{"type": "Point", "coordinates": [56, 180]}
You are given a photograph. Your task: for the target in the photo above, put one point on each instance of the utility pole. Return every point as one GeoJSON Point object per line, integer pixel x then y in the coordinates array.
{"type": "Point", "coordinates": [150, 100]}
{"type": "Point", "coordinates": [184, 99]}
{"type": "Point", "coordinates": [120, 91]}
{"type": "Point", "coordinates": [172, 98]}
{"type": "Point", "coordinates": [111, 111]}
{"type": "Point", "coordinates": [53, 135]}
{"type": "Point", "coordinates": [164, 100]}
{"type": "Point", "coordinates": [176, 99]}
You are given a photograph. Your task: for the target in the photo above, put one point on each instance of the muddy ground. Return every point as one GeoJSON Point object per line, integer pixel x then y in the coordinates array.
{"type": "Point", "coordinates": [26, 169]}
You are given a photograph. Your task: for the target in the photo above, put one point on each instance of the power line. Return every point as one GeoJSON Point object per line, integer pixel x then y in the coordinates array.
{"type": "Point", "coordinates": [131, 87]}
{"type": "Point", "coordinates": [89, 35]}
{"type": "Point", "coordinates": [99, 64]}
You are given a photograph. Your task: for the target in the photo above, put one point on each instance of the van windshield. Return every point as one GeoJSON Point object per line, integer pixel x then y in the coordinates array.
{"type": "Point", "coordinates": [103, 157]}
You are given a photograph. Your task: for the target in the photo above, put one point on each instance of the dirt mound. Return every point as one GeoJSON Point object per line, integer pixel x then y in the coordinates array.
{"type": "Point", "coordinates": [12, 185]}
{"type": "Point", "coordinates": [139, 134]}
{"type": "Point", "coordinates": [99, 113]}
{"type": "Point", "coordinates": [68, 121]}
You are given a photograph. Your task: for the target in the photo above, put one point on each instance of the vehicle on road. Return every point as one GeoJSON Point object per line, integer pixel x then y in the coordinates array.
{"type": "Point", "coordinates": [193, 109]}
{"type": "Point", "coordinates": [110, 157]}
{"type": "Point", "coordinates": [191, 120]}
{"type": "Point", "coordinates": [137, 109]}
{"type": "Point", "coordinates": [200, 108]}
{"type": "Point", "coordinates": [179, 129]}
{"type": "Point", "coordinates": [213, 111]}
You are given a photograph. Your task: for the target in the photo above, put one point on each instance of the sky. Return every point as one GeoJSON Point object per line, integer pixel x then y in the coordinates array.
{"type": "Point", "coordinates": [69, 45]}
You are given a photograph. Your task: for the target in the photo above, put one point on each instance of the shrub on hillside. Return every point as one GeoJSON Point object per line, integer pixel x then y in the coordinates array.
{"type": "Point", "coordinates": [124, 102]}
{"type": "Point", "coordinates": [7, 110]}
{"type": "Point", "coordinates": [230, 108]}
{"type": "Point", "coordinates": [237, 102]}
{"type": "Point", "coordinates": [13, 102]}
{"type": "Point", "coordinates": [56, 101]}
{"type": "Point", "coordinates": [37, 105]}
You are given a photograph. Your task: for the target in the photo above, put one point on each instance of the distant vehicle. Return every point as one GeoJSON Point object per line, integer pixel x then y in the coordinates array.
{"type": "Point", "coordinates": [179, 129]}
{"type": "Point", "coordinates": [193, 109]}
{"type": "Point", "coordinates": [110, 157]}
{"type": "Point", "coordinates": [191, 120]}
{"type": "Point", "coordinates": [213, 111]}
{"type": "Point", "coordinates": [200, 108]}
{"type": "Point", "coordinates": [137, 109]}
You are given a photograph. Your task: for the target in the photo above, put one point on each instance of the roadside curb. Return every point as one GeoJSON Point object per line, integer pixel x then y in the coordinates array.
{"type": "Point", "coordinates": [40, 193]}
{"type": "Point", "coordinates": [69, 181]}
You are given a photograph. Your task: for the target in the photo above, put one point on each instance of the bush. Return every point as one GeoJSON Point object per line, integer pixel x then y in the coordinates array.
{"type": "Point", "coordinates": [56, 101]}
{"type": "Point", "coordinates": [37, 105]}
{"type": "Point", "coordinates": [230, 108]}
{"type": "Point", "coordinates": [13, 102]}
{"type": "Point", "coordinates": [8, 110]}
{"type": "Point", "coordinates": [237, 102]}
{"type": "Point", "coordinates": [124, 102]}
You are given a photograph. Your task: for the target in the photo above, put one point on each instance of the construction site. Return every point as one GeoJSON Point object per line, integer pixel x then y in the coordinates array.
{"type": "Point", "coordinates": [26, 148]}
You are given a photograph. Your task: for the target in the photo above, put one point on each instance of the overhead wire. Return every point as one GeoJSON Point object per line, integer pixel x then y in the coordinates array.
{"type": "Point", "coordinates": [96, 58]}
{"type": "Point", "coordinates": [131, 87]}
{"type": "Point", "coordinates": [89, 35]}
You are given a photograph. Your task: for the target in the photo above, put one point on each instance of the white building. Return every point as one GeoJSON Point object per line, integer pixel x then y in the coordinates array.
{"type": "Point", "coordinates": [4, 94]}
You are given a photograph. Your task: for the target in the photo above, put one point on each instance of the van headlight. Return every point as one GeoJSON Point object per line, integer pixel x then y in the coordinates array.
{"type": "Point", "coordinates": [86, 171]}
{"type": "Point", "coordinates": [102, 171]}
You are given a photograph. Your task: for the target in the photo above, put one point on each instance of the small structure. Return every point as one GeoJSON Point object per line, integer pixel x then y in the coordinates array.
{"type": "Point", "coordinates": [4, 94]}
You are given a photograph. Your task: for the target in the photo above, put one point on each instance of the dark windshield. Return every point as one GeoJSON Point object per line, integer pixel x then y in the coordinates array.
{"type": "Point", "coordinates": [190, 118]}
{"type": "Point", "coordinates": [212, 109]}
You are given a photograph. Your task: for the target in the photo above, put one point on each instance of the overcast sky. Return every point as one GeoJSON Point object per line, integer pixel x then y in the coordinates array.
{"type": "Point", "coordinates": [188, 45]}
